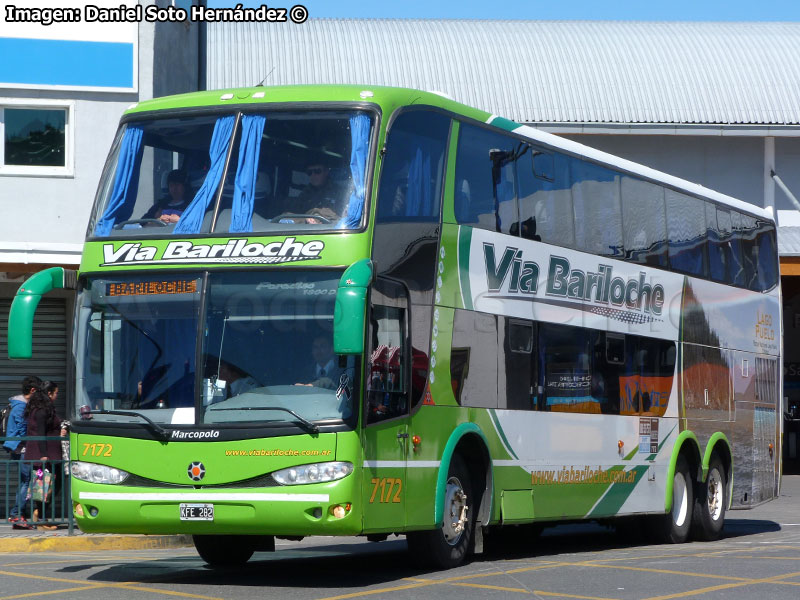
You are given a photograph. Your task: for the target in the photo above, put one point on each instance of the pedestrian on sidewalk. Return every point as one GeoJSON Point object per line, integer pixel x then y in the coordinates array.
{"type": "Point", "coordinates": [18, 428]}
{"type": "Point", "coordinates": [43, 422]}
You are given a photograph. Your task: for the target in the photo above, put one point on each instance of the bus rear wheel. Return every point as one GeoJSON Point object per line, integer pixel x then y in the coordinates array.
{"type": "Point", "coordinates": [224, 550]}
{"type": "Point", "coordinates": [674, 527]}
{"type": "Point", "coordinates": [447, 546]}
{"type": "Point", "coordinates": [709, 509]}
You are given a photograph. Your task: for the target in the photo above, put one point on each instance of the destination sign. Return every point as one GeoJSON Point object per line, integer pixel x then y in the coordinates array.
{"type": "Point", "coordinates": [152, 288]}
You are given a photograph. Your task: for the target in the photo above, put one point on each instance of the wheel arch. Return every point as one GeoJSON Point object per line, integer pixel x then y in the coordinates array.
{"type": "Point", "coordinates": [687, 446]}
{"type": "Point", "coordinates": [720, 445]}
{"type": "Point", "coordinates": [469, 441]}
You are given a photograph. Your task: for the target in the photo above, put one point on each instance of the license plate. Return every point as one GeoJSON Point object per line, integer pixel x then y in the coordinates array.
{"type": "Point", "coordinates": [197, 512]}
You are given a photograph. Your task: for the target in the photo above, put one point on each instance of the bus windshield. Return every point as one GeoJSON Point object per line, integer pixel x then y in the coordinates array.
{"type": "Point", "coordinates": [265, 348]}
{"type": "Point", "coordinates": [255, 172]}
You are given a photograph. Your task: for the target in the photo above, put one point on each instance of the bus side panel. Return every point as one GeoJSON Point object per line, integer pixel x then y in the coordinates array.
{"type": "Point", "coordinates": [734, 391]}
{"type": "Point", "coordinates": [576, 467]}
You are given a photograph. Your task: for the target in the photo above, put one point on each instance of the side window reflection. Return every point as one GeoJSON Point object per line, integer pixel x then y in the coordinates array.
{"type": "Point", "coordinates": [386, 393]}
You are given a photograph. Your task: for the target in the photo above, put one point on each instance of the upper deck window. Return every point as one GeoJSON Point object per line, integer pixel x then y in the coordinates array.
{"type": "Point", "coordinates": [252, 173]}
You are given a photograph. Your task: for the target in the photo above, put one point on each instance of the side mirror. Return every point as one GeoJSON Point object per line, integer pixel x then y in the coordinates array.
{"type": "Point", "coordinates": [351, 308]}
{"type": "Point", "coordinates": [23, 308]}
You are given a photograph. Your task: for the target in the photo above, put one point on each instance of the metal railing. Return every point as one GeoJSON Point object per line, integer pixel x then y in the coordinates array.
{"type": "Point", "coordinates": [57, 509]}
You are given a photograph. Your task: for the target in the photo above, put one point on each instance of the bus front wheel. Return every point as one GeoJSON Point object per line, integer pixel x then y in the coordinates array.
{"type": "Point", "coordinates": [447, 546]}
{"type": "Point", "coordinates": [673, 527]}
{"type": "Point", "coordinates": [709, 508]}
{"type": "Point", "coordinates": [223, 550]}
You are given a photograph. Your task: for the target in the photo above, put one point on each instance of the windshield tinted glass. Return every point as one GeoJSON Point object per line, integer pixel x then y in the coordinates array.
{"type": "Point", "coordinates": [268, 347]}
{"type": "Point", "coordinates": [286, 171]}
{"type": "Point", "coordinates": [155, 170]}
{"type": "Point", "coordinates": [135, 346]}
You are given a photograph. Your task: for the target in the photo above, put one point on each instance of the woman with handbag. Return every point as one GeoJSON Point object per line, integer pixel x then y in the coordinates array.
{"type": "Point", "coordinates": [40, 414]}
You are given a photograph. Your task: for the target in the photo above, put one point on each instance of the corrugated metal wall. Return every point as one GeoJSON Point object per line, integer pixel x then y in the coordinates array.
{"type": "Point", "coordinates": [535, 71]}
{"type": "Point", "coordinates": [49, 362]}
{"type": "Point", "coordinates": [50, 345]}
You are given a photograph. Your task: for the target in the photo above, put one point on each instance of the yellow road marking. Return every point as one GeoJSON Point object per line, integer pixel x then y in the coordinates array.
{"type": "Point", "coordinates": [50, 592]}
{"type": "Point", "coordinates": [660, 571]}
{"type": "Point", "coordinates": [89, 585]}
{"type": "Point", "coordinates": [87, 559]}
{"type": "Point", "coordinates": [499, 588]}
{"type": "Point", "coordinates": [777, 580]}
{"type": "Point", "coordinates": [141, 588]}
{"type": "Point", "coordinates": [48, 578]}
{"type": "Point", "coordinates": [398, 588]}
{"type": "Point", "coordinates": [524, 591]}
{"type": "Point", "coordinates": [429, 582]}
{"type": "Point", "coordinates": [771, 557]}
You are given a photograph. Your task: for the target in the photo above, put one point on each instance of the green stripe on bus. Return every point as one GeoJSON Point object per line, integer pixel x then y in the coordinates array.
{"type": "Point", "coordinates": [504, 123]}
{"type": "Point", "coordinates": [661, 445]}
{"type": "Point", "coordinates": [464, 243]}
{"type": "Point", "coordinates": [618, 493]}
{"type": "Point", "coordinates": [502, 434]}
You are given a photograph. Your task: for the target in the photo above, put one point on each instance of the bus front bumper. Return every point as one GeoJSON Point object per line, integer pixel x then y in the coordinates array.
{"type": "Point", "coordinates": [313, 509]}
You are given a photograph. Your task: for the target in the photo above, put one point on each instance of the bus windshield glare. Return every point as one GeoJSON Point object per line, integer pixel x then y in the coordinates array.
{"type": "Point", "coordinates": [265, 348]}
{"type": "Point", "coordinates": [261, 172]}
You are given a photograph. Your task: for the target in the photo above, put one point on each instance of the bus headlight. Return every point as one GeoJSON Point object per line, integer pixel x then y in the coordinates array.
{"type": "Point", "coordinates": [94, 473]}
{"type": "Point", "coordinates": [313, 473]}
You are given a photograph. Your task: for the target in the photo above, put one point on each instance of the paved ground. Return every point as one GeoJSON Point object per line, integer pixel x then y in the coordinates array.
{"type": "Point", "coordinates": [760, 557]}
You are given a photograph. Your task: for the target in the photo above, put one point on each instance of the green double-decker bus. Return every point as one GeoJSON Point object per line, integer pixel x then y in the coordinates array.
{"type": "Point", "coordinates": [341, 310]}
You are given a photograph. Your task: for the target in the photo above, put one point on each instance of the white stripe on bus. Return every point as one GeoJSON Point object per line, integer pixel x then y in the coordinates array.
{"type": "Point", "coordinates": [205, 497]}
{"type": "Point", "coordinates": [509, 463]}
{"type": "Point", "coordinates": [389, 464]}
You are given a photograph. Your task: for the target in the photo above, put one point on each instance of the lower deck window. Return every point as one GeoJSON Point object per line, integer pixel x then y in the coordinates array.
{"type": "Point", "coordinates": [498, 362]}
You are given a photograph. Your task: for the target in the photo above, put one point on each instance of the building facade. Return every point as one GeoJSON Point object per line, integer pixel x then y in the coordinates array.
{"type": "Point", "coordinates": [63, 88]}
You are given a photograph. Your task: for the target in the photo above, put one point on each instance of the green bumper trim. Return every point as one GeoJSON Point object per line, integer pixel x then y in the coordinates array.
{"type": "Point", "coordinates": [712, 444]}
{"type": "Point", "coordinates": [444, 466]}
{"type": "Point", "coordinates": [23, 309]}
{"type": "Point", "coordinates": [715, 440]}
{"type": "Point", "coordinates": [676, 450]}
{"type": "Point", "coordinates": [464, 243]}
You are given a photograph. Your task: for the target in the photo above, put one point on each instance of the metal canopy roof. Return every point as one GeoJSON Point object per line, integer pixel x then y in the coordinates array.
{"type": "Point", "coordinates": [536, 71]}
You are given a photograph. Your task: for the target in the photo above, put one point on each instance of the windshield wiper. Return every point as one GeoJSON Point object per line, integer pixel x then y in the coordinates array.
{"type": "Point", "coordinates": [162, 433]}
{"type": "Point", "coordinates": [312, 427]}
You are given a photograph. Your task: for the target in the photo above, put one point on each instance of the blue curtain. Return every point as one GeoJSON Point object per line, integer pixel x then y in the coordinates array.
{"type": "Point", "coordinates": [359, 134]}
{"type": "Point", "coordinates": [192, 218]}
{"type": "Point", "coordinates": [126, 182]}
{"type": "Point", "coordinates": [246, 172]}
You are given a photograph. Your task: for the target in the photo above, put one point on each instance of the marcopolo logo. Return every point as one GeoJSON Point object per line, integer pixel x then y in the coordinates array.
{"type": "Point", "coordinates": [240, 251]}
{"type": "Point", "coordinates": [194, 435]}
{"type": "Point", "coordinates": [563, 281]}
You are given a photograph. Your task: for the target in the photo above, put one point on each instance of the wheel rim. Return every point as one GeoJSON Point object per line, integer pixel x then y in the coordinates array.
{"type": "Point", "coordinates": [455, 517]}
{"type": "Point", "coordinates": [680, 500]}
{"type": "Point", "coordinates": [715, 495]}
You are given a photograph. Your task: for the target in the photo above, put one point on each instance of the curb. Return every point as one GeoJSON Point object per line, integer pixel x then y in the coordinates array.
{"type": "Point", "coordinates": [72, 543]}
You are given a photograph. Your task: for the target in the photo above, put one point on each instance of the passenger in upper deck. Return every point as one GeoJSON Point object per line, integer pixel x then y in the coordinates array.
{"type": "Point", "coordinates": [322, 197]}
{"type": "Point", "coordinates": [169, 209]}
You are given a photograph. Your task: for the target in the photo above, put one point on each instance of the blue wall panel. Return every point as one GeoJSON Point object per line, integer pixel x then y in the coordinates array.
{"type": "Point", "coordinates": [33, 62]}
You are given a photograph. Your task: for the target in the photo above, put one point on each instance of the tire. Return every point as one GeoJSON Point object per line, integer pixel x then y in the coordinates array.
{"type": "Point", "coordinates": [708, 518]}
{"type": "Point", "coordinates": [447, 547]}
{"type": "Point", "coordinates": [224, 550]}
{"type": "Point", "coordinates": [674, 527]}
